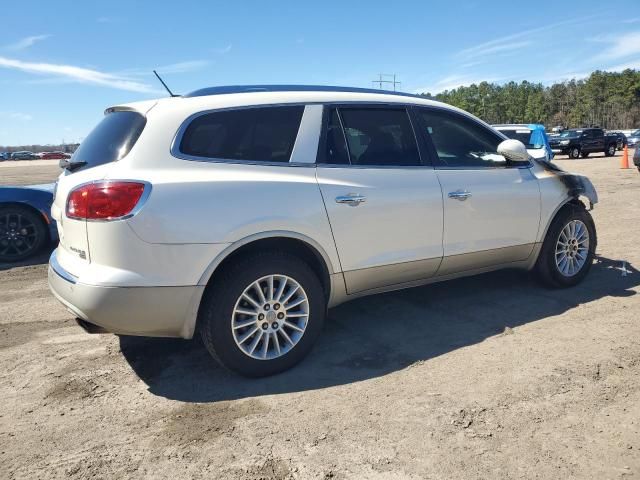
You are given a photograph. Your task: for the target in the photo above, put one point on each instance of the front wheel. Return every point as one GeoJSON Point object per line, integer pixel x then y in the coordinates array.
{"type": "Point", "coordinates": [574, 153]}
{"type": "Point", "coordinates": [568, 249]}
{"type": "Point", "coordinates": [263, 314]}
{"type": "Point", "coordinates": [611, 150]}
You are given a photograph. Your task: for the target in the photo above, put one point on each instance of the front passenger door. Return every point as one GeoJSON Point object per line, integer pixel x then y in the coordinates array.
{"type": "Point", "coordinates": [491, 206]}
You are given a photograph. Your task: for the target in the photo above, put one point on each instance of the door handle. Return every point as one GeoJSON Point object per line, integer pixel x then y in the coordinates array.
{"type": "Point", "coordinates": [461, 195]}
{"type": "Point", "coordinates": [353, 200]}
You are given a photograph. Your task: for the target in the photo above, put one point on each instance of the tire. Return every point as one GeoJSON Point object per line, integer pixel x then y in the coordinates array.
{"type": "Point", "coordinates": [574, 152]}
{"type": "Point", "coordinates": [610, 151]}
{"type": "Point", "coordinates": [219, 312]}
{"type": "Point", "coordinates": [23, 233]}
{"type": "Point", "coordinates": [584, 154]}
{"type": "Point", "coordinates": [547, 269]}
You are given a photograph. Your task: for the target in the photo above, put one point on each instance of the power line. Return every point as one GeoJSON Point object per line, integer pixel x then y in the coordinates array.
{"type": "Point", "coordinates": [386, 78]}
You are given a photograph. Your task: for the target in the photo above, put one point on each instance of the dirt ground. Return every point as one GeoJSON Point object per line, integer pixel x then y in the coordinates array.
{"type": "Point", "coordinates": [486, 377]}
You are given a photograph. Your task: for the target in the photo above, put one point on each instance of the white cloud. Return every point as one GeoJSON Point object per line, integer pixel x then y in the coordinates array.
{"type": "Point", "coordinates": [26, 42]}
{"type": "Point", "coordinates": [513, 41]}
{"type": "Point", "coordinates": [633, 64]}
{"type": "Point", "coordinates": [24, 117]}
{"type": "Point", "coordinates": [452, 82]}
{"type": "Point", "coordinates": [223, 50]}
{"type": "Point", "coordinates": [182, 67]}
{"type": "Point", "coordinates": [620, 46]}
{"type": "Point", "coordinates": [79, 74]}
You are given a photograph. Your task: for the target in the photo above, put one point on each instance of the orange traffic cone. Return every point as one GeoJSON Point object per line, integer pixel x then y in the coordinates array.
{"type": "Point", "coordinates": [624, 161]}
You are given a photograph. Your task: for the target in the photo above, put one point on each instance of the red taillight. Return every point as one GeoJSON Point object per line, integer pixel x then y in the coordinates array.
{"type": "Point", "coordinates": [104, 200]}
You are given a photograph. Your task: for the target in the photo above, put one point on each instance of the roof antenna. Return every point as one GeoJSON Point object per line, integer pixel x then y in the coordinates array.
{"type": "Point", "coordinates": [164, 84]}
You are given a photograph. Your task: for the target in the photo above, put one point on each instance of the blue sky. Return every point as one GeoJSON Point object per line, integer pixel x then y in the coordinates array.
{"type": "Point", "coordinates": [62, 63]}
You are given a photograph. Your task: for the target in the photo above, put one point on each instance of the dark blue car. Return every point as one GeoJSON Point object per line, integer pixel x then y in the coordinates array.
{"type": "Point", "coordinates": [26, 225]}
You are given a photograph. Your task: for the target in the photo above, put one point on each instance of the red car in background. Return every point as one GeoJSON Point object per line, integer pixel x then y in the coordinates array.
{"type": "Point", "coordinates": [54, 155]}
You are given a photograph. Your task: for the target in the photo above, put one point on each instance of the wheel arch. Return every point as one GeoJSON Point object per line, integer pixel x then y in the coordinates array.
{"type": "Point", "coordinates": [306, 248]}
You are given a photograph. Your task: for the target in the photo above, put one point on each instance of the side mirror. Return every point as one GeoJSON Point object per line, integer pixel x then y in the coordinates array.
{"type": "Point", "coordinates": [514, 151]}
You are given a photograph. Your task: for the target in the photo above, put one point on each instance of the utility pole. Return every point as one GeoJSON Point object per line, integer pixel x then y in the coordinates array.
{"type": "Point", "coordinates": [386, 78]}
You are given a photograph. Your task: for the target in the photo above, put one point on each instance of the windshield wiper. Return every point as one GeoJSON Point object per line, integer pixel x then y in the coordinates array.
{"type": "Point", "coordinates": [71, 166]}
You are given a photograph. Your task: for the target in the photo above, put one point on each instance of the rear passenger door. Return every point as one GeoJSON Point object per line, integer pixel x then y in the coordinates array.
{"type": "Point", "coordinates": [383, 201]}
{"type": "Point", "coordinates": [491, 206]}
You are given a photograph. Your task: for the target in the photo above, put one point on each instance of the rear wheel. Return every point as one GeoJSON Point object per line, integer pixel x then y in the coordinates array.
{"type": "Point", "coordinates": [611, 150]}
{"type": "Point", "coordinates": [263, 314]}
{"type": "Point", "coordinates": [23, 233]}
{"type": "Point", "coordinates": [574, 152]}
{"type": "Point", "coordinates": [568, 249]}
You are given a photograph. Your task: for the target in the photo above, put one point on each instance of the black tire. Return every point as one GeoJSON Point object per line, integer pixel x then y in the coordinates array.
{"type": "Point", "coordinates": [216, 311]}
{"type": "Point", "coordinates": [23, 233]}
{"type": "Point", "coordinates": [611, 150]}
{"type": "Point", "coordinates": [574, 152]}
{"type": "Point", "coordinates": [584, 154]}
{"type": "Point", "coordinates": [546, 270]}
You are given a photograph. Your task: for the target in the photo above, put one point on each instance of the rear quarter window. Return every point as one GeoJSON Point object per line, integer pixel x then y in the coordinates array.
{"type": "Point", "coordinates": [111, 139]}
{"type": "Point", "coordinates": [263, 134]}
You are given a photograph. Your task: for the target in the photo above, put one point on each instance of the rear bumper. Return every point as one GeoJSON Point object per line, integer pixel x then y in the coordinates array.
{"type": "Point", "coordinates": [146, 311]}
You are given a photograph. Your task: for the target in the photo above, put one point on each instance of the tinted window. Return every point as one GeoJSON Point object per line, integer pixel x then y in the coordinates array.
{"type": "Point", "coordinates": [460, 141]}
{"type": "Point", "coordinates": [336, 151]}
{"type": "Point", "coordinates": [379, 137]}
{"type": "Point", "coordinates": [259, 134]}
{"type": "Point", "coordinates": [111, 139]}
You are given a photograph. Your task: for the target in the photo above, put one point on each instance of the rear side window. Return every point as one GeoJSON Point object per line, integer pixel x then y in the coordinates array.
{"type": "Point", "coordinates": [111, 139]}
{"type": "Point", "coordinates": [379, 137]}
{"type": "Point", "coordinates": [265, 134]}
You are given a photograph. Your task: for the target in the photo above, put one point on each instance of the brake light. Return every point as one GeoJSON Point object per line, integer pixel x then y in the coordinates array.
{"type": "Point", "coordinates": [104, 200]}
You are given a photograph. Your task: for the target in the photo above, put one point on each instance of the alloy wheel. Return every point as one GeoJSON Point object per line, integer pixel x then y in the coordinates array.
{"type": "Point", "coordinates": [18, 235]}
{"type": "Point", "coordinates": [270, 317]}
{"type": "Point", "coordinates": [572, 248]}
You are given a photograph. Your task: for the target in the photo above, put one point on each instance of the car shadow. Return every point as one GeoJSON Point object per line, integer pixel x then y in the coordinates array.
{"type": "Point", "coordinates": [40, 258]}
{"type": "Point", "coordinates": [376, 335]}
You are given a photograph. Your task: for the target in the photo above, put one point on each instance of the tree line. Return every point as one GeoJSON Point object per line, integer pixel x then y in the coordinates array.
{"type": "Point", "coordinates": [610, 100]}
{"type": "Point", "coordinates": [62, 147]}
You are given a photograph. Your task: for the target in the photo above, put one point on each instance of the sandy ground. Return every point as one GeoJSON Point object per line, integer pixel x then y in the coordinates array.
{"type": "Point", "coordinates": [28, 172]}
{"type": "Point", "coordinates": [486, 377]}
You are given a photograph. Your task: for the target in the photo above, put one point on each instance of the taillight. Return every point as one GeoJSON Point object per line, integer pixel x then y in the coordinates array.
{"type": "Point", "coordinates": [104, 200]}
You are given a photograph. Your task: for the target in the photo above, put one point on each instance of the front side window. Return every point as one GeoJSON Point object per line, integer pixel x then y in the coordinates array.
{"type": "Point", "coordinates": [379, 137]}
{"type": "Point", "coordinates": [461, 142]}
{"type": "Point", "coordinates": [265, 134]}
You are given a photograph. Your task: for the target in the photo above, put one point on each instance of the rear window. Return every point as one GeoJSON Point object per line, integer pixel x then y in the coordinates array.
{"type": "Point", "coordinates": [111, 139]}
{"type": "Point", "coordinates": [264, 134]}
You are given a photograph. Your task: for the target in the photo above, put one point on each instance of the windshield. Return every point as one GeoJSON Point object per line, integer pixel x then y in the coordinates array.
{"type": "Point", "coordinates": [523, 135]}
{"type": "Point", "coordinates": [570, 133]}
{"type": "Point", "coordinates": [111, 139]}
{"type": "Point", "coordinates": [635, 134]}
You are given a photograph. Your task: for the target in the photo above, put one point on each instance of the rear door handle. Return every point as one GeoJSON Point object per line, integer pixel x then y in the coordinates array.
{"type": "Point", "coordinates": [461, 195]}
{"type": "Point", "coordinates": [353, 199]}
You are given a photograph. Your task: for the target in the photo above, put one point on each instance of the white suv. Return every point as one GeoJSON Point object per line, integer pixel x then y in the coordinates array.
{"type": "Point", "coordinates": [244, 212]}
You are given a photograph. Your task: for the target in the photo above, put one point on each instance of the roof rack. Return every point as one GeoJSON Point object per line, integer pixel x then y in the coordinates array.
{"type": "Point", "coordinates": [229, 89]}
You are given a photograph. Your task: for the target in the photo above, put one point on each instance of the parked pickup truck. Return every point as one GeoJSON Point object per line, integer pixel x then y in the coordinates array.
{"type": "Point", "coordinates": [581, 142]}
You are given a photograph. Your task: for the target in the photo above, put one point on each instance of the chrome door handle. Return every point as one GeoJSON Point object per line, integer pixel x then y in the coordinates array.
{"type": "Point", "coordinates": [461, 195]}
{"type": "Point", "coordinates": [353, 200]}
